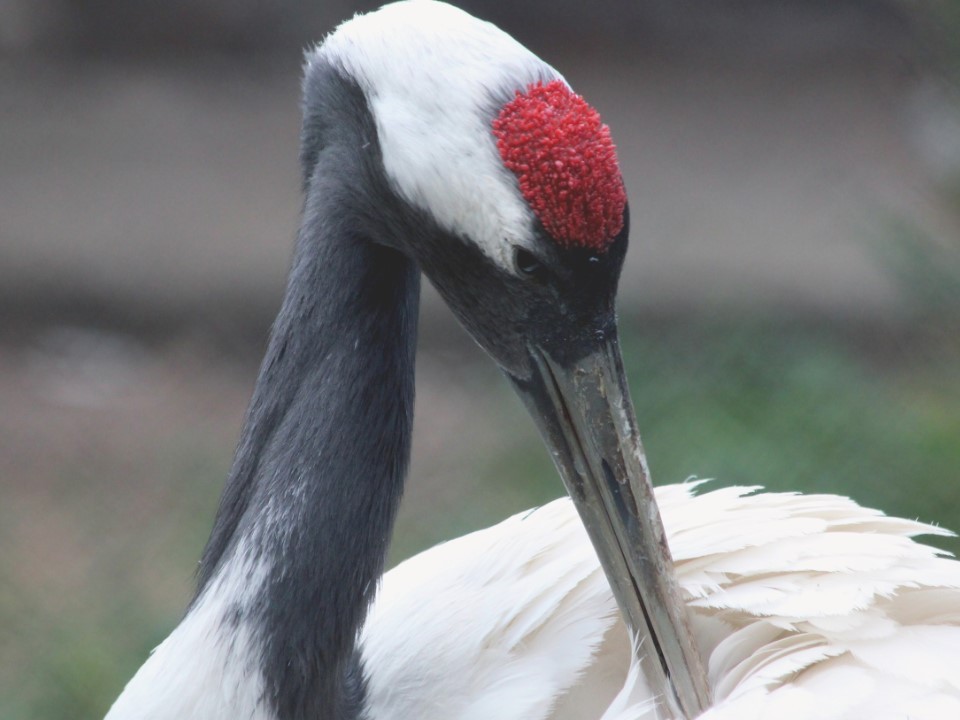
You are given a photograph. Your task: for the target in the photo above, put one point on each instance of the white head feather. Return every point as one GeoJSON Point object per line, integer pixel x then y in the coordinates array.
{"type": "Point", "coordinates": [435, 77]}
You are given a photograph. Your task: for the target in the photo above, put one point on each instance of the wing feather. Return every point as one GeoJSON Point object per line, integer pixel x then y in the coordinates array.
{"type": "Point", "coordinates": [806, 607]}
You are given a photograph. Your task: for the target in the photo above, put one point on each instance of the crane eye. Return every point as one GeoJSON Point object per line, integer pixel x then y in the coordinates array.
{"type": "Point", "coordinates": [528, 265]}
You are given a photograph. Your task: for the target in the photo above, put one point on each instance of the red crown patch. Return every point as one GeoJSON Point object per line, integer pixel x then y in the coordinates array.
{"type": "Point", "coordinates": [566, 163]}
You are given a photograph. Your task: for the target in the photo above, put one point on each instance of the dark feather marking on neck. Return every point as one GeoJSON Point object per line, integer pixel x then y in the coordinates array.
{"type": "Point", "coordinates": [318, 472]}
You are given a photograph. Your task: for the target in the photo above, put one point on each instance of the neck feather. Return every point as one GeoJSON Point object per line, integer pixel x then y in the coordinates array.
{"type": "Point", "coordinates": [310, 501]}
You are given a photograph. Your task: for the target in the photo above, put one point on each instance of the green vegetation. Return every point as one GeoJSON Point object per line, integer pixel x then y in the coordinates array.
{"type": "Point", "coordinates": [801, 411]}
{"type": "Point", "coordinates": [787, 408]}
{"type": "Point", "coordinates": [72, 635]}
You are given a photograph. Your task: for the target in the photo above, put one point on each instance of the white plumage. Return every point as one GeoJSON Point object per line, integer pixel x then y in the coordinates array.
{"type": "Point", "coordinates": [433, 127]}
{"type": "Point", "coordinates": [805, 607]}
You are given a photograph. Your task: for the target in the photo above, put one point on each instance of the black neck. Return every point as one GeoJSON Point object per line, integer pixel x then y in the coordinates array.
{"type": "Point", "coordinates": [318, 473]}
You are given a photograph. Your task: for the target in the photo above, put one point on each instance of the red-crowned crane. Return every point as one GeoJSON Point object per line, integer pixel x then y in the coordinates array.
{"type": "Point", "coordinates": [432, 141]}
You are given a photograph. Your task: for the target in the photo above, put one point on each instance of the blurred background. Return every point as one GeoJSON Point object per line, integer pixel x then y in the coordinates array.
{"type": "Point", "coordinates": [791, 303]}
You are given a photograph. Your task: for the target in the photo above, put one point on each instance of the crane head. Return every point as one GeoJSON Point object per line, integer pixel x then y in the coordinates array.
{"type": "Point", "coordinates": [505, 183]}
{"type": "Point", "coordinates": [464, 151]}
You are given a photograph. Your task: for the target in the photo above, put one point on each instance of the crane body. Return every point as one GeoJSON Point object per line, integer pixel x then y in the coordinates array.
{"type": "Point", "coordinates": [433, 142]}
{"type": "Point", "coordinates": [806, 607]}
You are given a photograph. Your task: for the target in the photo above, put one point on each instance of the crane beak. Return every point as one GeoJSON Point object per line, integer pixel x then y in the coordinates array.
{"type": "Point", "coordinates": [584, 413]}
